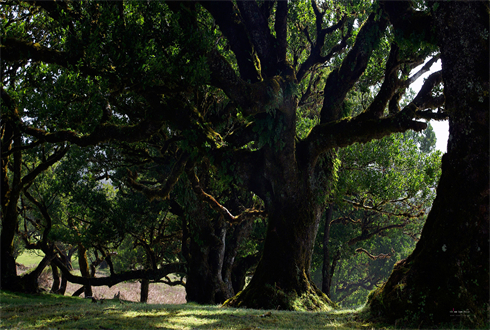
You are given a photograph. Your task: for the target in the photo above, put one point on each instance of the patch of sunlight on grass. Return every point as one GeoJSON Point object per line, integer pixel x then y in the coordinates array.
{"type": "Point", "coordinates": [152, 313]}
{"type": "Point", "coordinates": [30, 257]}
{"type": "Point", "coordinates": [188, 322]}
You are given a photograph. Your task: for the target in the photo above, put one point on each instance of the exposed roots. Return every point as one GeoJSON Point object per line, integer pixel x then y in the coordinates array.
{"type": "Point", "coordinates": [270, 297]}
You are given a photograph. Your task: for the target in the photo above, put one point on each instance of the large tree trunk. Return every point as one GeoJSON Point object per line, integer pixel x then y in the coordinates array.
{"type": "Point", "coordinates": [282, 279]}
{"type": "Point", "coordinates": [293, 188]}
{"type": "Point", "coordinates": [446, 277]}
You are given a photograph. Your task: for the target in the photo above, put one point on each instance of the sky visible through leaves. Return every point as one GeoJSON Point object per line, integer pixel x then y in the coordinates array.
{"type": "Point", "coordinates": [441, 128]}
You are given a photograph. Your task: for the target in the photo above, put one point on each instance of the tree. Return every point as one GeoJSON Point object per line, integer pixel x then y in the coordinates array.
{"type": "Point", "coordinates": [211, 234]}
{"type": "Point", "coordinates": [384, 185]}
{"type": "Point", "coordinates": [448, 270]}
{"type": "Point", "coordinates": [60, 85]}
{"type": "Point", "coordinates": [274, 61]}
{"type": "Point", "coordinates": [292, 176]}
{"type": "Point", "coordinates": [15, 179]}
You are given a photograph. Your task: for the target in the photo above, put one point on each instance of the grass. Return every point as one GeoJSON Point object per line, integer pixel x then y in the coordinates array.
{"type": "Point", "coordinates": [30, 258]}
{"type": "Point", "coordinates": [19, 311]}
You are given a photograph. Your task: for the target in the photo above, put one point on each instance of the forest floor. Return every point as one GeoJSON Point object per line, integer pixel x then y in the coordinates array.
{"type": "Point", "coordinates": [42, 311]}
{"type": "Point", "coordinates": [166, 309]}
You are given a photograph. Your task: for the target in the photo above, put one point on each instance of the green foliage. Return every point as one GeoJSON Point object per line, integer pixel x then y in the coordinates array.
{"type": "Point", "coordinates": [388, 183]}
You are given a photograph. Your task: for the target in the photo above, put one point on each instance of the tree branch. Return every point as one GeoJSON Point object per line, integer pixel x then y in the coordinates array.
{"type": "Point", "coordinates": [252, 98]}
{"type": "Point", "coordinates": [260, 36]}
{"type": "Point", "coordinates": [114, 279]}
{"type": "Point", "coordinates": [215, 205]}
{"type": "Point", "coordinates": [55, 157]}
{"type": "Point", "coordinates": [363, 128]}
{"type": "Point", "coordinates": [232, 27]}
{"type": "Point", "coordinates": [379, 256]}
{"type": "Point", "coordinates": [378, 209]}
{"type": "Point", "coordinates": [341, 80]}
{"type": "Point", "coordinates": [166, 189]}
{"type": "Point", "coordinates": [315, 56]}
{"type": "Point", "coordinates": [15, 50]}
{"type": "Point", "coordinates": [367, 236]}
{"type": "Point", "coordinates": [280, 26]}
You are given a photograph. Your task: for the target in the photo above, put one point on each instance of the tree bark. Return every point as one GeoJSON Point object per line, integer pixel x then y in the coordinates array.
{"type": "Point", "coordinates": [446, 276]}
{"type": "Point", "coordinates": [84, 268]}
{"type": "Point", "coordinates": [327, 270]}
{"type": "Point", "coordinates": [55, 287]}
{"type": "Point", "coordinates": [205, 284]}
{"type": "Point", "coordinates": [145, 288]}
{"type": "Point", "coordinates": [282, 279]}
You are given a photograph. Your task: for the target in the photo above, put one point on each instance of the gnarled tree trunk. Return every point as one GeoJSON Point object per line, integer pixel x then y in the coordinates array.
{"type": "Point", "coordinates": [446, 277]}
{"type": "Point", "coordinates": [213, 247]}
{"type": "Point", "coordinates": [294, 195]}
{"type": "Point", "coordinates": [282, 279]}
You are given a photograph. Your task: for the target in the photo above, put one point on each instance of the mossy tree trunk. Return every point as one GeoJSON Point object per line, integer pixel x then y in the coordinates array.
{"type": "Point", "coordinates": [294, 194]}
{"type": "Point", "coordinates": [282, 278]}
{"type": "Point", "coordinates": [447, 274]}
{"type": "Point", "coordinates": [293, 176]}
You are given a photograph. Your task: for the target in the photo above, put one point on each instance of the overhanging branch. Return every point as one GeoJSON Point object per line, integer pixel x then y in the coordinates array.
{"type": "Point", "coordinates": [215, 205]}
{"type": "Point", "coordinates": [373, 257]}
{"type": "Point", "coordinates": [164, 191]}
{"type": "Point", "coordinates": [153, 275]}
{"type": "Point", "coordinates": [363, 128]}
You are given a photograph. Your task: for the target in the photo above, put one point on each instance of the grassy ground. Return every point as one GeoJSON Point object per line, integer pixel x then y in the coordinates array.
{"type": "Point", "coordinates": [30, 258]}
{"type": "Point", "coordinates": [18, 311]}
